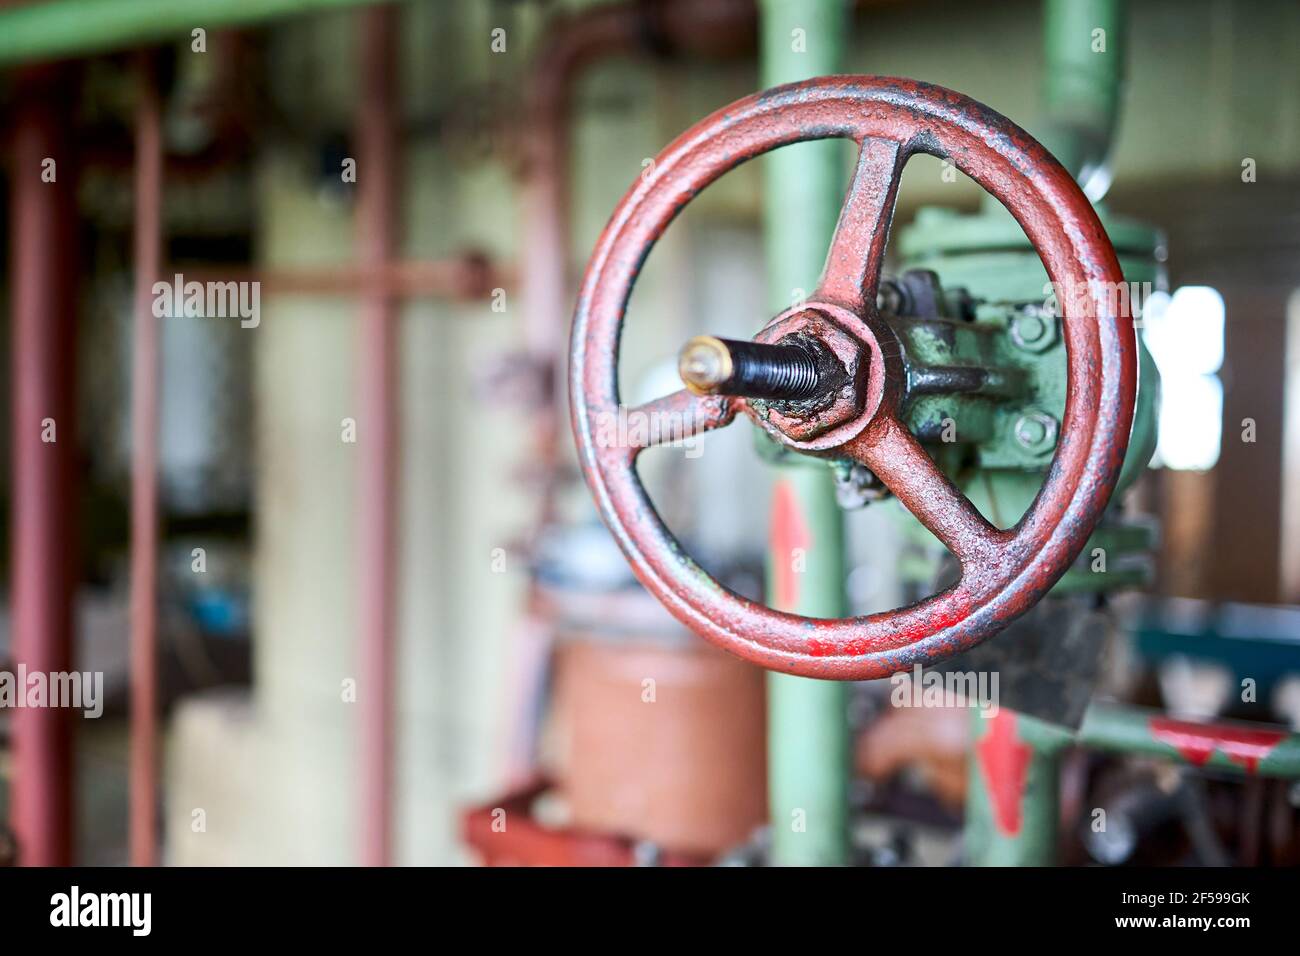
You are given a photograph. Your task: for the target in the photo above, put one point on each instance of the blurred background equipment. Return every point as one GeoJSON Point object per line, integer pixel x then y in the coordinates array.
{"type": "Point", "coordinates": [319, 525]}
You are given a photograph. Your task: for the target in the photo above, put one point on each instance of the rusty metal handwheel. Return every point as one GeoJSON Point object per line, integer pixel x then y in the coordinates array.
{"type": "Point", "coordinates": [1004, 573]}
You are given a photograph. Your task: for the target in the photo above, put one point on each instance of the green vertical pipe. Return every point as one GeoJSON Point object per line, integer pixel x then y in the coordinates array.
{"type": "Point", "coordinates": [1012, 790]}
{"type": "Point", "coordinates": [808, 737]}
{"type": "Point", "coordinates": [1083, 43]}
{"type": "Point", "coordinates": [1083, 81]}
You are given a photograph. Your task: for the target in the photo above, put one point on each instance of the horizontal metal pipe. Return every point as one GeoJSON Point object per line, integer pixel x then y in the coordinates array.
{"type": "Point", "coordinates": [58, 29]}
{"type": "Point", "coordinates": [464, 278]}
{"type": "Point", "coordinates": [1237, 748]}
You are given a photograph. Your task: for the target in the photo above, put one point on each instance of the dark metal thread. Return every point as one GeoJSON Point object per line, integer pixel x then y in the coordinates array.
{"type": "Point", "coordinates": [778, 372]}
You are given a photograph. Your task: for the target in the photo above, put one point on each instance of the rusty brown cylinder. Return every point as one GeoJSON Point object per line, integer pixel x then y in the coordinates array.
{"type": "Point", "coordinates": [43, 245]}
{"type": "Point", "coordinates": [662, 740]}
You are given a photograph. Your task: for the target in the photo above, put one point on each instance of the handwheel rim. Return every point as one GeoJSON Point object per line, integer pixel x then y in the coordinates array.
{"type": "Point", "coordinates": [1101, 357]}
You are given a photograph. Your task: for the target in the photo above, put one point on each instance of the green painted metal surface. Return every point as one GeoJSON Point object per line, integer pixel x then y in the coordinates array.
{"type": "Point", "coordinates": [808, 732]}
{"type": "Point", "coordinates": [1083, 79]}
{"type": "Point", "coordinates": [983, 439]}
{"type": "Point", "coordinates": [1014, 770]}
{"type": "Point", "coordinates": [1012, 790]}
{"type": "Point", "coordinates": [1237, 749]}
{"type": "Point", "coordinates": [58, 29]}
{"type": "Point", "coordinates": [988, 255]}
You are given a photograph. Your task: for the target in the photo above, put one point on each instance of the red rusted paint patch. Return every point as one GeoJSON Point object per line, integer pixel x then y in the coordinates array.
{"type": "Point", "coordinates": [824, 649]}
{"type": "Point", "coordinates": [789, 531]}
{"type": "Point", "coordinates": [1004, 765]}
{"type": "Point", "coordinates": [1196, 743]}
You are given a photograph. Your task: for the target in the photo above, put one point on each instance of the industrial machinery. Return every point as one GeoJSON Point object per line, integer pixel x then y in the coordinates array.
{"type": "Point", "coordinates": [958, 387]}
{"type": "Point", "coordinates": [321, 566]}
{"type": "Point", "coordinates": [839, 377]}
{"type": "Point", "coordinates": [993, 382]}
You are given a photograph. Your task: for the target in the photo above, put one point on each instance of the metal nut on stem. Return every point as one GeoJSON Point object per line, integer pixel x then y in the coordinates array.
{"type": "Point", "coordinates": [1036, 432]}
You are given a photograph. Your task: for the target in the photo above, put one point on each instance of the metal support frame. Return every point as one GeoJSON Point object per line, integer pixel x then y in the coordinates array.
{"type": "Point", "coordinates": [808, 731]}
{"type": "Point", "coordinates": [145, 386]}
{"type": "Point", "coordinates": [379, 389]}
{"type": "Point", "coordinates": [44, 300]}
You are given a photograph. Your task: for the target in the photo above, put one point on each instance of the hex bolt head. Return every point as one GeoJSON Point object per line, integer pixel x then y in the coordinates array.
{"type": "Point", "coordinates": [849, 354]}
{"type": "Point", "coordinates": [891, 298]}
{"type": "Point", "coordinates": [1036, 432]}
{"type": "Point", "coordinates": [1033, 331]}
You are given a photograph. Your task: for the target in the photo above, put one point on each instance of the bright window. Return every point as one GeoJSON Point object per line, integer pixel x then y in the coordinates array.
{"type": "Point", "coordinates": [1184, 333]}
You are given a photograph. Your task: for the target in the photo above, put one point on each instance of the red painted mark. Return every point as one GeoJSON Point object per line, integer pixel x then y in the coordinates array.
{"type": "Point", "coordinates": [1196, 743]}
{"type": "Point", "coordinates": [854, 647]}
{"type": "Point", "coordinates": [1004, 764]}
{"type": "Point", "coordinates": [789, 532]}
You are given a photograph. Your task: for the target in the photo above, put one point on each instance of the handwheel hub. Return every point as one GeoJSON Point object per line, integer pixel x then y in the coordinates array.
{"type": "Point", "coordinates": [838, 416]}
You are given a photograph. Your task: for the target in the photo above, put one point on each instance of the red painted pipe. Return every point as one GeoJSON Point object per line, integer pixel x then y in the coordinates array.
{"type": "Point", "coordinates": [144, 477]}
{"type": "Point", "coordinates": [43, 231]}
{"type": "Point", "coordinates": [377, 427]}
{"type": "Point", "coordinates": [461, 277]}
{"type": "Point", "coordinates": [714, 28]}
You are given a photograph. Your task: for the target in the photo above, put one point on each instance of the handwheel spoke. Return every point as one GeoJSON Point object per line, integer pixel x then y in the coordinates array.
{"type": "Point", "coordinates": [669, 420]}
{"type": "Point", "coordinates": [897, 458]}
{"type": "Point", "coordinates": [852, 272]}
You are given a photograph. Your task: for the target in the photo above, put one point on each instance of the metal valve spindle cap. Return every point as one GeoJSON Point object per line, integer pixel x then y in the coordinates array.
{"type": "Point", "coordinates": [713, 366]}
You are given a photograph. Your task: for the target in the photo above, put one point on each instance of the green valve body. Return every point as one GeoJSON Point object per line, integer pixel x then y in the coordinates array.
{"type": "Point", "coordinates": [997, 310]}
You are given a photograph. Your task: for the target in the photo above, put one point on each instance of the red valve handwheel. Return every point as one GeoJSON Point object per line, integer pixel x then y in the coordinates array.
{"type": "Point", "coordinates": [1004, 573]}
